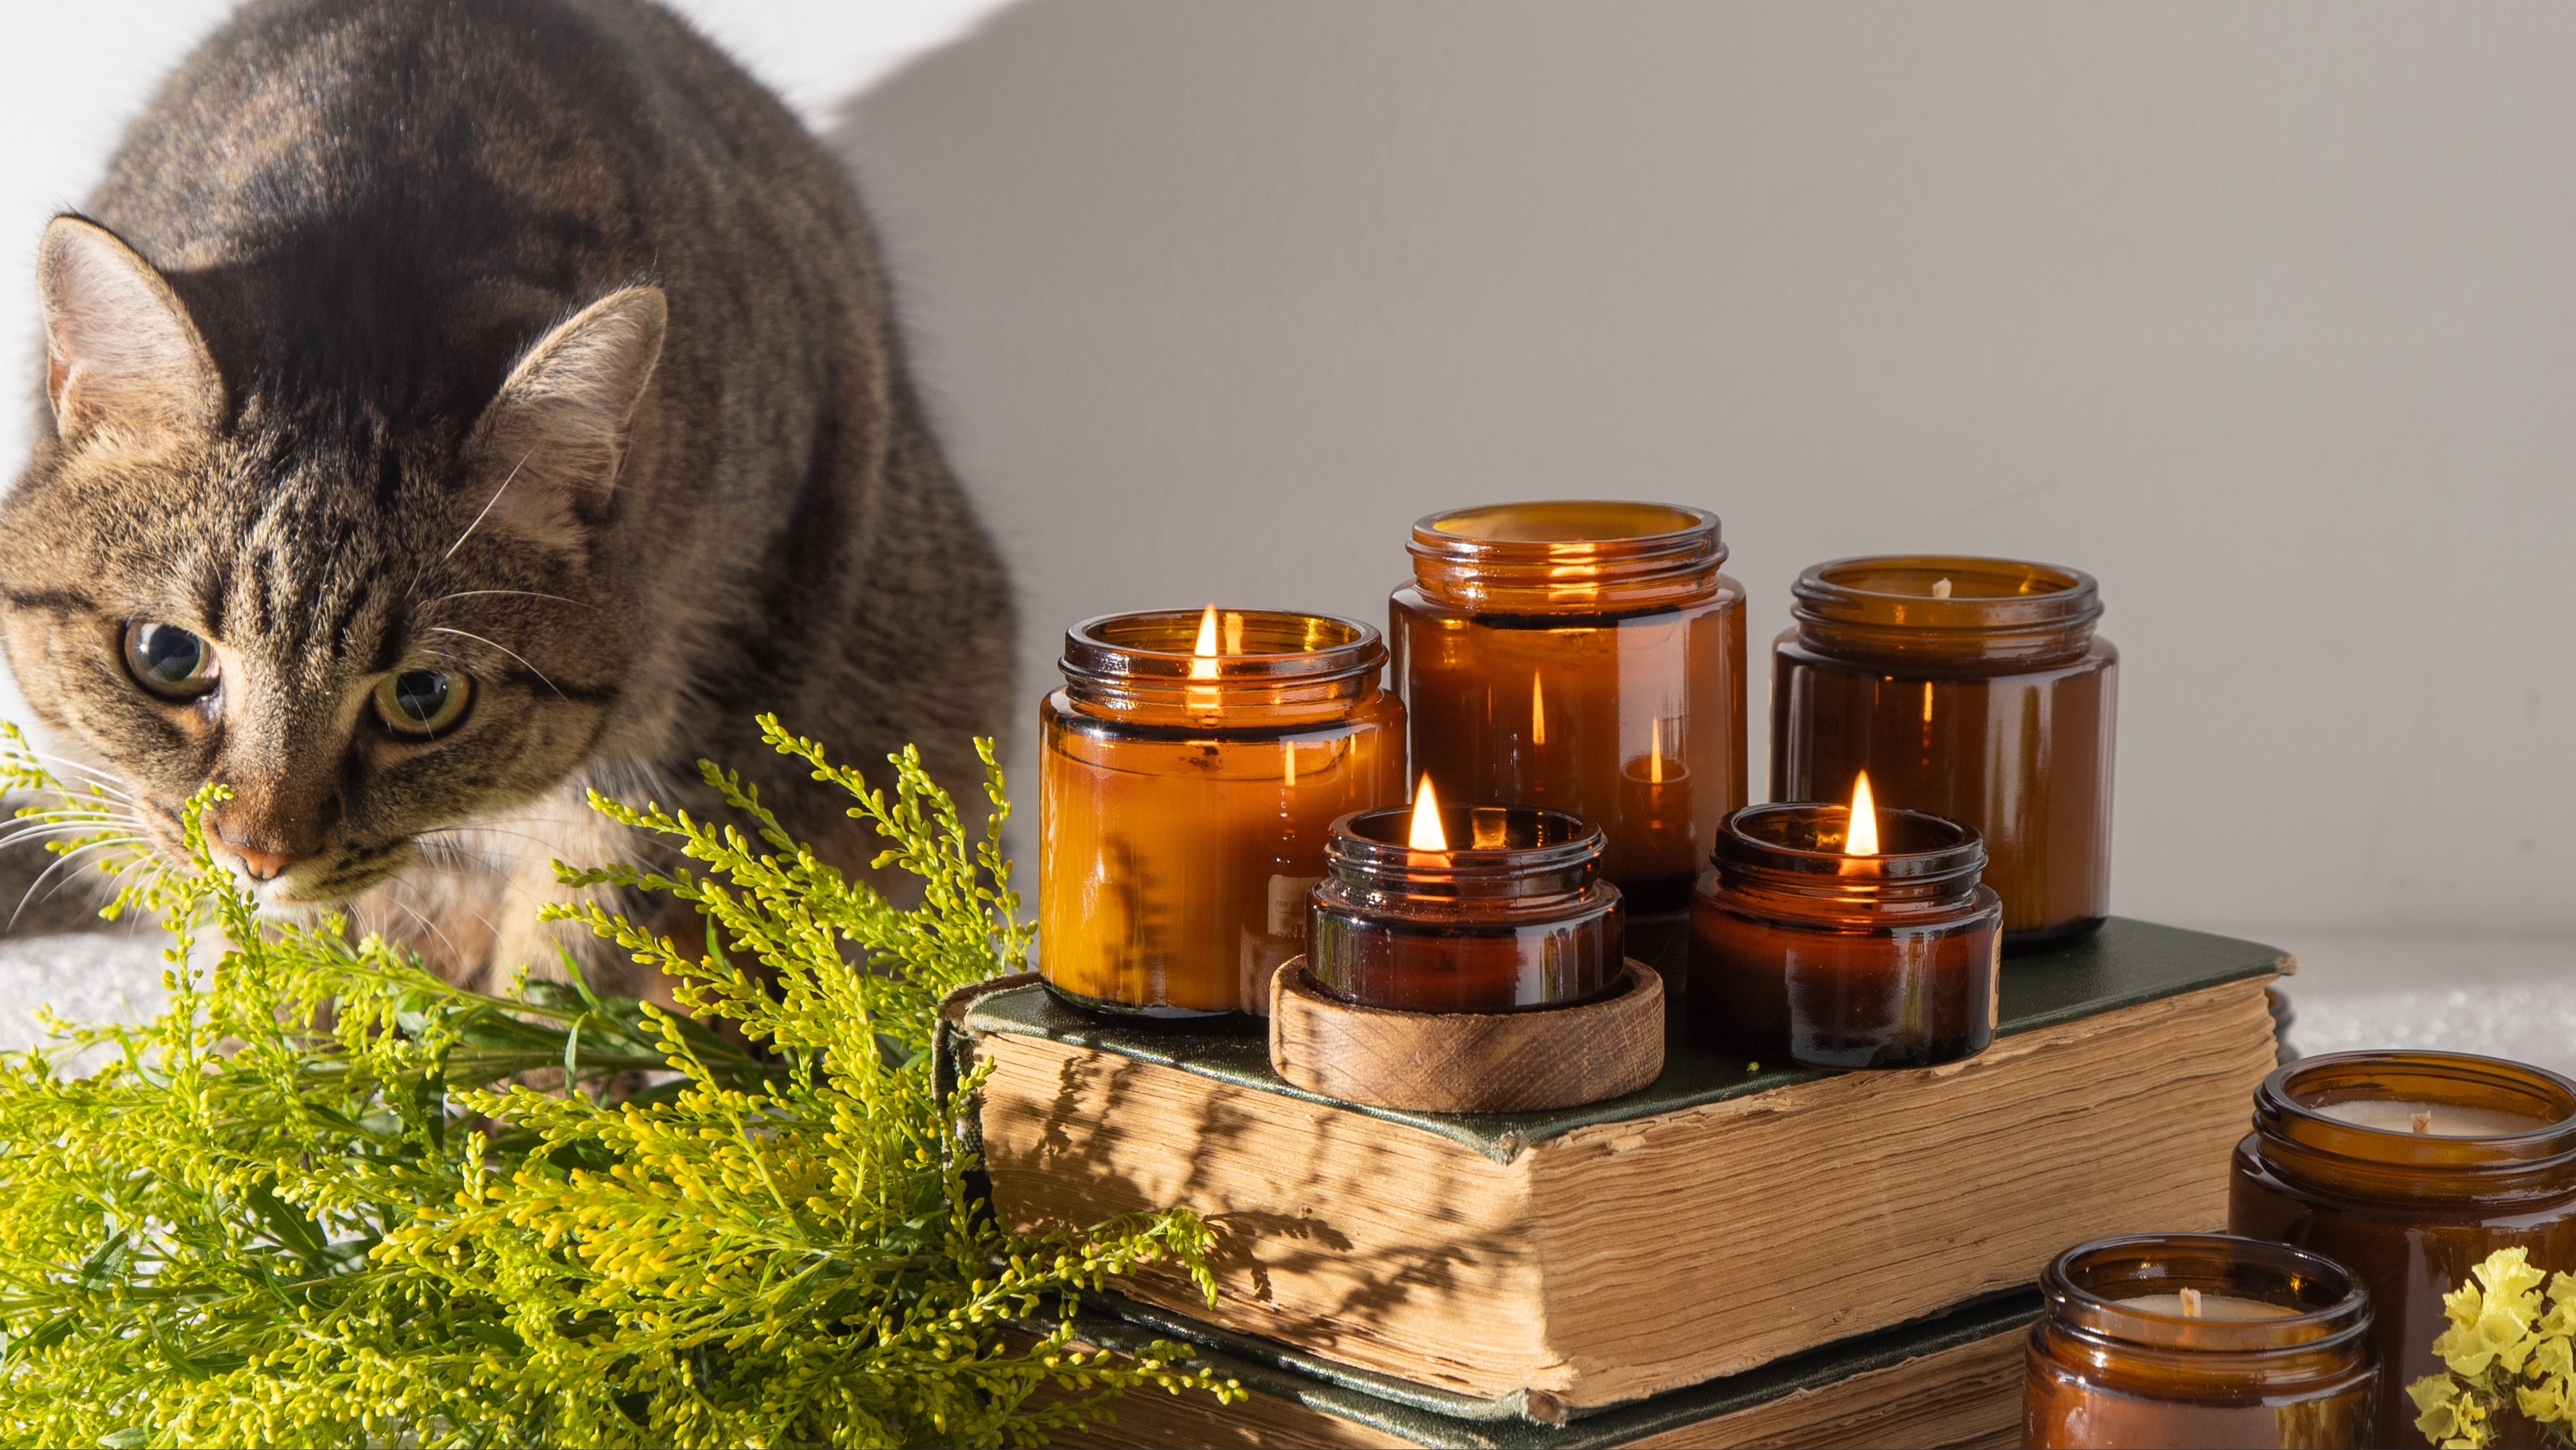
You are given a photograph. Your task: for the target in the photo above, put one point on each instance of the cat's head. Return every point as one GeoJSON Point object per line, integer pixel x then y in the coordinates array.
{"type": "Point", "coordinates": [370, 619]}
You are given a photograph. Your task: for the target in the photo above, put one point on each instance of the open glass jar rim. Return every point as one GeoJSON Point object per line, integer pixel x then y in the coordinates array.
{"type": "Point", "coordinates": [2285, 1110]}
{"type": "Point", "coordinates": [1793, 841]}
{"type": "Point", "coordinates": [1509, 849]}
{"type": "Point", "coordinates": [1566, 529]}
{"type": "Point", "coordinates": [1567, 554]}
{"type": "Point", "coordinates": [1268, 647]}
{"type": "Point", "coordinates": [1987, 596]}
{"type": "Point", "coordinates": [2085, 1285]}
{"type": "Point", "coordinates": [1273, 669]}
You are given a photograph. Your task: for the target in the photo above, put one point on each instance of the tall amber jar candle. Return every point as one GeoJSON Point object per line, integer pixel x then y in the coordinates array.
{"type": "Point", "coordinates": [2198, 1340]}
{"type": "Point", "coordinates": [2409, 1168]}
{"type": "Point", "coordinates": [1585, 658]}
{"type": "Point", "coordinates": [1189, 774]}
{"type": "Point", "coordinates": [1970, 689]}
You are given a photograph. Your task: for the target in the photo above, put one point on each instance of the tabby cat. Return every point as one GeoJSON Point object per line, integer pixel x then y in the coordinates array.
{"type": "Point", "coordinates": [451, 406]}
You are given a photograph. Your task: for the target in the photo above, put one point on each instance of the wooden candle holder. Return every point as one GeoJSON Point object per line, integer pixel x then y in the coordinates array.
{"type": "Point", "coordinates": [1468, 1062]}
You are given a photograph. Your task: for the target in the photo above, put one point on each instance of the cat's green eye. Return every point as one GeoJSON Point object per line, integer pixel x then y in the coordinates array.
{"type": "Point", "coordinates": [423, 704]}
{"type": "Point", "coordinates": [169, 661]}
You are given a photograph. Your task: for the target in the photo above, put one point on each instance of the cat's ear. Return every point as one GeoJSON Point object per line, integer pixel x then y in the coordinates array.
{"type": "Point", "coordinates": [551, 443]}
{"type": "Point", "coordinates": [122, 357]}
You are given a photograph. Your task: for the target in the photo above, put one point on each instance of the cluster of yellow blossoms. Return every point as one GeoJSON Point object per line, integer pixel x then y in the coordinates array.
{"type": "Point", "coordinates": [2506, 1339]}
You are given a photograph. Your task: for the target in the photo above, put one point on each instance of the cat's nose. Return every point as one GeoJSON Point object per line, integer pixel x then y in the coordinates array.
{"type": "Point", "coordinates": [267, 840]}
{"type": "Point", "coordinates": [261, 865]}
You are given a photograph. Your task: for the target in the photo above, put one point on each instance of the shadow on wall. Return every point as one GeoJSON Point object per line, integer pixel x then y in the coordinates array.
{"type": "Point", "coordinates": [2217, 302]}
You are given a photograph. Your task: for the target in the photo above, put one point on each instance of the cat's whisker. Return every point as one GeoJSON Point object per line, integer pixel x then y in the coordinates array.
{"type": "Point", "coordinates": [408, 910]}
{"type": "Point", "coordinates": [480, 919]}
{"type": "Point", "coordinates": [22, 838]}
{"type": "Point", "coordinates": [81, 836]}
{"type": "Point", "coordinates": [65, 822]}
{"type": "Point", "coordinates": [38, 819]}
{"type": "Point", "coordinates": [487, 508]}
{"type": "Point", "coordinates": [514, 654]}
{"type": "Point", "coordinates": [26, 896]}
{"type": "Point", "coordinates": [519, 593]}
{"type": "Point", "coordinates": [553, 849]}
{"type": "Point", "coordinates": [92, 777]}
{"type": "Point", "coordinates": [54, 803]}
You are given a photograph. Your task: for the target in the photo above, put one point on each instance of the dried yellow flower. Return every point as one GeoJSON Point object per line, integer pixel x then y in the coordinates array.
{"type": "Point", "coordinates": [2508, 1344]}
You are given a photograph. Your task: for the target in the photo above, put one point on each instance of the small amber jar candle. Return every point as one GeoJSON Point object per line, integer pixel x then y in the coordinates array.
{"type": "Point", "coordinates": [2200, 1340]}
{"type": "Point", "coordinates": [1513, 915]}
{"type": "Point", "coordinates": [1188, 774]}
{"type": "Point", "coordinates": [1972, 689]}
{"type": "Point", "coordinates": [1586, 658]}
{"type": "Point", "coordinates": [1803, 948]}
{"type": "Point", "coordinates": [2409, 1168]}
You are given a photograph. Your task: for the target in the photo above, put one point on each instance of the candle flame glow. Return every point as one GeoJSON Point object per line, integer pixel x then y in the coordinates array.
{"type": "Point", "coordinates": [1427, 835]}
{"type": "Point", "coordinates": [1204, 666]}
{"type": "Point", "coordinates": [1538, 711]}
{"type": "Point", "coordinates": [1655, 752]}
{"type": "Point", "coordinates": [1861, 837]}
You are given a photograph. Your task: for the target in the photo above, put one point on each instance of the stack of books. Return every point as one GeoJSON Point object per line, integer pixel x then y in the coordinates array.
{"type": "Point", "coordinates": [1741, 1254]}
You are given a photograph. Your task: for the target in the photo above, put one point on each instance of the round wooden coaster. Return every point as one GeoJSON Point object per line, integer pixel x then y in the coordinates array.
{"type": "Point", "coordinates": [1468, 1062]}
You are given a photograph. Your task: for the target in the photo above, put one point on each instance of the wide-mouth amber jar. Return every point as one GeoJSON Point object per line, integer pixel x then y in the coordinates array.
{"type": "Point", "coordinates": [1189, 773]}
{"type": "Point", "coordinates": [1804, 951]}
{"type": "Point", "coordinates": [2272, 1348]}
{"type": "Point", "coordinates": [1971, 689]}
{"type": "Point", "coordinates": [1585, 658]}
{"type": "Point", "coordinates": [2411, 1213]}
{"type": "Point", "coordinates": [1512, 916]}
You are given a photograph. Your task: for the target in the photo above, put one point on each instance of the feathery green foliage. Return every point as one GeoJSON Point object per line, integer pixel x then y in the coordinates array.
{"type": "Point", "coordinates": [316, 1201]}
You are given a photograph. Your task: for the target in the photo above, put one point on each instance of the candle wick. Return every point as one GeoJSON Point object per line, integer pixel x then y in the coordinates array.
{"type": "Point", "coordinates": [1940, 588]}
{"type": "Point", "coordinates": [2422, 1122]}
{"type": "Point", "coordinates": [2191, 1303]}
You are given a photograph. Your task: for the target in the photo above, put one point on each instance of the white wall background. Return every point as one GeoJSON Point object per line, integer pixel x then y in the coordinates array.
{"type": "Point", "coordinates": [2265, 315]}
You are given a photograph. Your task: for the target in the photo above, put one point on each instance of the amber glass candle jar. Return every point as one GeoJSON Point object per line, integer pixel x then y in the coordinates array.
{"type": "Point", "coordinates": [2199, 1340]}
{"type": "Point", "coordinates": [1586, 658]}
{"type": "Point", "coordinates": [1972, 689]}
{"type": "Point", "coordinates": [1507, 913]}
{"type": "Point", "coordinates": [2337, 1164]}
{"type": "Point", "coordinates": [1802, 949]}
{"type": "Point", "coordinates": [1189, 772]}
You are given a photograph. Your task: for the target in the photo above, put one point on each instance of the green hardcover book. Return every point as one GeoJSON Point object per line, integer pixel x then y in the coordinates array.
{"type": "Point", "coordinates": [1723, 1220]}
{"type": "Point", "coordinates": [1952, 1380]}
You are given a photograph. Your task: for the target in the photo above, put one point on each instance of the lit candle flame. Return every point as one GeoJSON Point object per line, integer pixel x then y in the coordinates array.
{"type": "Point", "coordinates": [1538, 711]}
{"type": "Point", "coordinates": [1427, 835]}
{"type": "Point", "coordinates": [1655, 752]}
{"type": "Point", "coordinates": [1861, 837]}
{"type": "Point", "coordinates": [1204, 667]}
